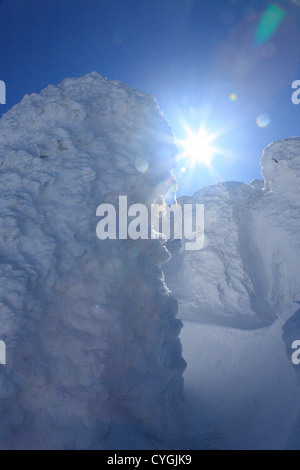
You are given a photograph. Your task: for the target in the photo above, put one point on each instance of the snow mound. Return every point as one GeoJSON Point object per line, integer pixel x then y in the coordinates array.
{"type": "Point", "coordinates": [89, 325]}
{"type": "Point", "coordinates": [281, 168]}
{"type": "Point", "coordinates": [247, 272]}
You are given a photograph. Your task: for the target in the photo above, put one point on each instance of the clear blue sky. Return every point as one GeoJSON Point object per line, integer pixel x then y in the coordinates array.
{"type": "Point", "coordinates": [191, 54]}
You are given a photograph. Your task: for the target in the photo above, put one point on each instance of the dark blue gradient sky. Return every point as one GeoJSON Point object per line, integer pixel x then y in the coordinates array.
{"type": "Point", "coordinates": [191, 54]}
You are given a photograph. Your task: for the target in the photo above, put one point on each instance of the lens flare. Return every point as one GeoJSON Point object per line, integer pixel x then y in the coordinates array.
{"type": "Point", "coordinates": [88, 174]}
{"type": "Point", "coordinates": [269, 23]}
{"type": "Point", "coordinates": [233, 97]}
{"type": "Point", "coordinates": [263, 120]}
{"type": "Point", "coordinates": [141, 165]}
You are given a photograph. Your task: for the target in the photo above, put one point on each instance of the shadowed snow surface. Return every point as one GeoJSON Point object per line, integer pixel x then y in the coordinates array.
{"type": "Point", "coordinates": [89, 325]}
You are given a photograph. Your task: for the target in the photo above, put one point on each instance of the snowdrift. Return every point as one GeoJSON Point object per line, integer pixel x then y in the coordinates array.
{"type": "Point", "coordinates": [247, 272]}
{"type": "Point", "coordinates": [89, 325]}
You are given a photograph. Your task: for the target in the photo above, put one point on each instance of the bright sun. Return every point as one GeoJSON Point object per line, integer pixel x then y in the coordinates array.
{"type": "Point", "coordinates": [197, 146]}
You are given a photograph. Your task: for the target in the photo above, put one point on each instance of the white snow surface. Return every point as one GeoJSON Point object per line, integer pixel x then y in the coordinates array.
{"type": "Point", "coordinates": [89, 325]}
{"type": "Point", "coordinates": [247, 272]}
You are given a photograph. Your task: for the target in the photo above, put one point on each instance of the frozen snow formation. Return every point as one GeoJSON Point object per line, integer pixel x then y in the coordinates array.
{"type": "Point", "coordinates": [248, 271]}
{"type": "Point", "coordinates": [89, 325]}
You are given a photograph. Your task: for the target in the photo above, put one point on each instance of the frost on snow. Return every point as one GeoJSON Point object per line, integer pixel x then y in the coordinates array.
{"type": "Point", "coordinates": [89, 326]}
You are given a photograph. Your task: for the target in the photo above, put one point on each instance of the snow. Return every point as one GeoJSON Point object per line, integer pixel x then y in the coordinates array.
{"type": "Point", "coordinates": [241, 390]}
{"type": "Point", "coordinates": [238, 298]}
{"type": "Point", "coordinates": [89, 325]}
{"type": "Point", "coordinates": [247, 272]}
{"type": "Point", "coordinates": [93, 355]}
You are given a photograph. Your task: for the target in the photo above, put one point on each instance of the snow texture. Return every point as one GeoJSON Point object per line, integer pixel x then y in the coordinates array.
{"type": "Point", "coordinates": [247, 272]}
{"type": "Point", "coordinates": [89, 325]}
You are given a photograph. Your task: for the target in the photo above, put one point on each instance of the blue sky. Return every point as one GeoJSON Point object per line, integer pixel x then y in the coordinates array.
{"type": "Point", "coordinates": [191, 54]}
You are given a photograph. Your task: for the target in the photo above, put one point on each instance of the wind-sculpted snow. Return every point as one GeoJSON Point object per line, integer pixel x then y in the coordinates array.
{"type": "Point", "coordinates": [247, 272]}
{"type": "Point", "coordinates": [89, 325]}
